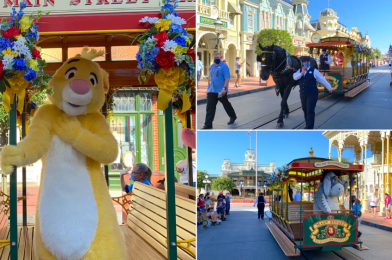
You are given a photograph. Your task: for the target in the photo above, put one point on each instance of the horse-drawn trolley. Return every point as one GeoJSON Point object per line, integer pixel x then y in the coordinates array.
{"type": "Point", "coordinates": [349, 72]}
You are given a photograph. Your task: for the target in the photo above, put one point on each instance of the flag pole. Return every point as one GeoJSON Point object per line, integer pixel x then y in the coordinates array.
{"type": "Point", "coordinates": [256, 166]}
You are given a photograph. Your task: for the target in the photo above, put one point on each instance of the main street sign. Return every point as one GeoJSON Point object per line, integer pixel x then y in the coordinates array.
{"type": "Point", "coordinates": [329, 229]}
{"type": "Point", "coordinates": [331, 163]}
{"type": "Point", "coordinates": [90, 6]}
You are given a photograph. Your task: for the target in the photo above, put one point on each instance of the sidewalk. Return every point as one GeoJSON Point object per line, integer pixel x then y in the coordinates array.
{"type": "Point", "coordinates": [248, 85]}
{"type": "Point", "coordinates": [377, 221]}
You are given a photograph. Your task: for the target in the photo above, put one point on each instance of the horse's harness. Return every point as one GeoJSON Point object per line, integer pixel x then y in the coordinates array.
{"type": "Point", "coordinates": [286, 70]}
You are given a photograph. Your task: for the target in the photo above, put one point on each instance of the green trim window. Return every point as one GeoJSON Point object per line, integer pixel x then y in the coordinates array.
{"type": "Point", "coordinates": [131, 125]}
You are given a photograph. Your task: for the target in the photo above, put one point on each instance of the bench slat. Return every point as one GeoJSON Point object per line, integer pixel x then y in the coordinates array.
{"type": "Point", "coordinates": [159, 227]}
{"type": "Point", "coordinates": [181, 231]}
{"type": "Point", "coordinates": [137, 248]}
{"type": "Point", "coordinates": [158, 241]}
{"type": "Point", "coordinates": [180, 211]}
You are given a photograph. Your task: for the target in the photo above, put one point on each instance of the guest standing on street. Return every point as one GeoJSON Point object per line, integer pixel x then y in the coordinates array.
{"type": "Point", "coordinates": [199, 67]}
{"type": "Point", "coordinates": [373, 204]}
{"type": "Point", "coordinates": [308, 78]}
{"type": "Point", "coordinates": [238, 66]}
{"type": "Point", "coordinates": [218, 87]}
{"type": "Point", "coordinates": [260, 201]}
{"type": "Point", "coordinates": [388, 204]}
{"type": "Point", "coordinates": [324, 60]}
{"type": "Point", "coordinates": [259, 67]}
{"type": "Point", "coordinates": [228, 200]}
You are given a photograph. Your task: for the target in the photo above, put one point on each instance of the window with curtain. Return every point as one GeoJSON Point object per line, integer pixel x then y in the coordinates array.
{"type": "Point", "coordinates": [124, 130]}
{"type": "Point", "coordinates": [145, 134]}
{"type": "Point", "coordinates": [262, 20]}
{"type": "Point", "coordinates": [266, 20]}
{"type": "Point", "coordinates": [146, 101]}
{"type": "Point", "coordinates": [124, 101]}
{"type": "Point", "coordinates": [250, 20]}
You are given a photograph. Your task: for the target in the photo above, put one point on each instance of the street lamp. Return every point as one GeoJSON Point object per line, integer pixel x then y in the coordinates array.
{"type": "Point", "coordinates": [218, 29]}
{"type": "Point", "coordinates": [206, 181]}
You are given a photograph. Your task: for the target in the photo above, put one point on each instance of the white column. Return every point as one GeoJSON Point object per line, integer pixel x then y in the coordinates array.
{"type": "Point", "coordinates": [365, 204]}
{"type": "Point", "coordinates": [382, 176]}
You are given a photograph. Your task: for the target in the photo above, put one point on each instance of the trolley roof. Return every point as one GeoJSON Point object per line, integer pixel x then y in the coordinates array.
{"type": "Point", "coordinates": [336, 42]}
{"type": "Point", "coordinates": [312, 168]}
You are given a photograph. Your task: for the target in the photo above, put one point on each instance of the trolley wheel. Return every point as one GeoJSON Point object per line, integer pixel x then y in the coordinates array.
{"type": "Point", "coordinates": [205, 222]}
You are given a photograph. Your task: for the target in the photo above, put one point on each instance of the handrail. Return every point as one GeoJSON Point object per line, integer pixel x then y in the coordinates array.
{"type": "Point", "coordinates": [125, 201]}
{"type": "Point", "coordinates": [188, 245]}
{"type": "Point", "coordinates": [319, 210]}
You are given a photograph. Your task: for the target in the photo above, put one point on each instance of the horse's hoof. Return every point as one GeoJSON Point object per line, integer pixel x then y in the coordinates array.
{"type": "Point", "coordinates": [279, 125]}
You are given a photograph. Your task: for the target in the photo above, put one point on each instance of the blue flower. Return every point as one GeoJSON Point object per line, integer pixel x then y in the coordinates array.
{"type": "Point", "coordinates": [168, 7]}
{"type": "Point", "coordinates": [4, 44]}
{"type": "Point", "coordinates": [180, 41]}
{"type": "Point", "coordinates": [30, 74]}
{"type": "Point", "coordinates": [19, 64]}
{"type": "Point", "coordinates": [23, 5]}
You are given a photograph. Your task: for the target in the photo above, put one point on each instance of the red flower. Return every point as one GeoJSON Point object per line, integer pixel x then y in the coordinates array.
{"type": "Point", "coordinates": [161, 38]}
{"type": "Point", "coordinates": [36, 54]}
{"type": "Point", "coordinates": [191, 53]}
{"type": "Point", "coordinates": [165, 59]}
{"type": "Point", "coordinates": [1, 69]}
{"type": "Point", "coordinates": [11, 32]}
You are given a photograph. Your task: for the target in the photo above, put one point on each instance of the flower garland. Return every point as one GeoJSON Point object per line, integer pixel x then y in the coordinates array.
{"type": "Point", "coordinates": [166, 50]}
{"type": "Point", "coordinates": [21, 64]}
{"type": "Point", "coordinates": [277, 178]}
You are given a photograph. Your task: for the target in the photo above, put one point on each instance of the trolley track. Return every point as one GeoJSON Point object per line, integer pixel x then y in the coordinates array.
{"type": "Point", "coordinates": [272, 117]}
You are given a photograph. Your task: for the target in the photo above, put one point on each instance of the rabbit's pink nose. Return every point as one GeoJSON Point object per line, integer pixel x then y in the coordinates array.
{"type": "Point", "coordinates": [80, 86]}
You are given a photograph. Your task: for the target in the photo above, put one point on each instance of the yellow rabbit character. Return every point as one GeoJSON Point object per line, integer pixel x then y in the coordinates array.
{"type": "Point", "coordinates": [75, 217]}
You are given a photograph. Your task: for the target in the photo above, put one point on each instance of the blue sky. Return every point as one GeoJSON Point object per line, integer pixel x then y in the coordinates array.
{"type": "Point", "coordinates": [277, 146]}
{"type": "Point", "coordinates": [373, 16]}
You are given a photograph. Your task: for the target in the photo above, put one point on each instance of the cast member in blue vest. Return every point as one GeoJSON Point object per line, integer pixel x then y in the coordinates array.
{"type": "Point", "coordinates": [324, 60]}
{"type": "Point", "coordinates": [308, 78]}
{"type": "Point", "coordinates": [260, 201]}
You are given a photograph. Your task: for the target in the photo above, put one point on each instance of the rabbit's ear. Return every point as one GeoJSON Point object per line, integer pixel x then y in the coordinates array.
{"type": "Point", "coordinates": [327, 183]}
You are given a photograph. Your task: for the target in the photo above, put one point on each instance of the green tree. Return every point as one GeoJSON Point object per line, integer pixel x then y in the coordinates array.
{"type": "Point", "coordinates": [280, 38]}
{"type": "Point", "coordinates": [222, 183]}
{"type": "Point", "coordinates": [39, 98]}
{"type": "Point", "coordinates": [374, 53]}
{"type": "Point", "coordinates": [201, 175]}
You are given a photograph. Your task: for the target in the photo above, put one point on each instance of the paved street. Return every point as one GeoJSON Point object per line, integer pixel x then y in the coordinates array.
{"type": "Point", "coordinates": [243, 236]}
{"type": "Point", "coordinates": [367, 110]}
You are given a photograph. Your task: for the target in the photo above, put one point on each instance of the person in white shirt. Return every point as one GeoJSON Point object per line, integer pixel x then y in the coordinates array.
{"type": "Point", "coordinates": [324, 60]}
{"type": "Point", "coordinates": [182, 169]}
{"type": "Point", "coordinates": [373, 204]}
{"type": "Point", "coordinates": [308, 78]}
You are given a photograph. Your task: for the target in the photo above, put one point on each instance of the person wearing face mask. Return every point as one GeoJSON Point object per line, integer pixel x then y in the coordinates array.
{"type": "Point", "coordinates": [308, 78]}
{"type": "Point", "coordinates": [324, 60]}
{"type": "Point", "coordinates": [140, 172]}
{"type": "Point", "coordinates": [218, 87]}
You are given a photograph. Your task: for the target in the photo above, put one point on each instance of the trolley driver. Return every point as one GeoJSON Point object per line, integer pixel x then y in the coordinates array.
{"type": "Point", "coordinates": [324, 60]}
{"type": "Point", "coordinates": [308, 91]}
{"type": "Point", "coordinates": [260, 201]}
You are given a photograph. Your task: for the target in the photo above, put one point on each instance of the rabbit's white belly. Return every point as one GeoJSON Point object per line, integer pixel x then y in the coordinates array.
{"type": "Point", "coordinates": [67, 208]}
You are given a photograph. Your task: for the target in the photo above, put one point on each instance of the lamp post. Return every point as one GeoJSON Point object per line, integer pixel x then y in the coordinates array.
{"type": "Point", "coordinates": [218, 29]}
{"type": "Point", "coordinates": [206, 181]}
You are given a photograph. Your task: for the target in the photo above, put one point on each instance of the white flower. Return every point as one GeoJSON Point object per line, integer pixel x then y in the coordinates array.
{"type": "Point", "coordinates": [151, 20]}
{"type": "Point", "coordinates": [179, 58]}
{"type": "Point", "coordinates": [20, 41]}
{"type": "Point", "coordinates": [7, 59]}
{"type": "Point", "coordinates": [151, 39]}
{"type": "Point", "coordinates": [169, 45]}
{"type": "Point", "coordinates": [175, 20]}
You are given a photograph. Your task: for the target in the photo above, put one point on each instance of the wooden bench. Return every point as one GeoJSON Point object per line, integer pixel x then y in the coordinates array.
{"type": "Point", "coordinates": [294, 216]}
{"type": "Point", "coordinates": [285, 244]}
{"type": "Point", "coordinates": [147, 223]}
{"type": "Point", "coordinates": [186, 191]}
